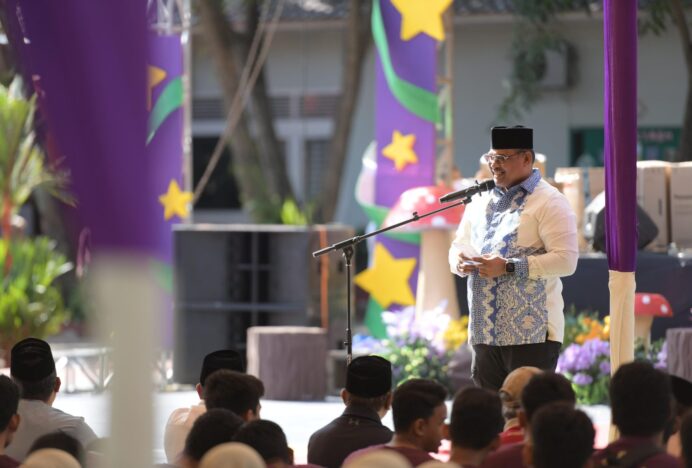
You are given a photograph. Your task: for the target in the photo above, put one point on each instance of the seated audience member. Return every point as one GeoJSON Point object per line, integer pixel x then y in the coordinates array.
{"type": "Point", "coordinates": [181, 420]}
{"type": "Point", "coordinates": [9, 419]}
{"type": "Point", "coordinates": [232, 455]}
{"type": "Point", "coordinates": [61, 441]}
{"type": "Point", "coordinates": [50, 458]}
{"type": "Point", "coordinates": [640, 403]}
{"type": "Point", "coordinates": [214, 427]}
{"type": "Point", "coordinates": [33, 369]}
{"type": "Point", "coordinates": [561, 436]}
{"type": "Point", "coordinates": [543, 388]}
{"type": "Point", "coordinates": [418, 412]}
{"type": "Point", "coordinates": [368, 397]}
{"type": "Point", "coordinates": [682, 393]}
{"type": "Point", "coordinates": [475, 426]}
{"type": "Point", "coordinates": [269, 440]}
{"type": "Point", "coordinates": [686, 439]}
{"type": "Point", "coordinates": [510, 394]}
{"type": "Point", "coordinates": [236, 392]}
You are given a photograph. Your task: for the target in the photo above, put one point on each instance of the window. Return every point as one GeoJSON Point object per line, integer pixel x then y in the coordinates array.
{"type": "Point", "coordinates": [221, 192]}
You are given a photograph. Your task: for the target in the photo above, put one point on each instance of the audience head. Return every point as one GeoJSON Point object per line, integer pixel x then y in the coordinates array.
{"type": "Point", "coordinates": [560, 436]}
{"type": "Point", "coordinates": [542, 389]}
{"type": "Point", "coordinates": [216, 426]}
{"type": "Point", "coordinates": [381, 458]}
{"type": "Point", "coordinates": [60, 441]}
{"type": "Point", "coordinates": [33, 369]}
{"type": "Point", "coordinates": [234, 391]}
{"type": "Point", "coordinates": [9, 401]}
{"type": "Point", "coordinates": [510, 393]}
{"type": "Point", "coordinates": [686, 439]}
{"type": "Point", "coordinates": [268, 439]}
{"type": "Point", "coordinates": [232, 455]}
{"type": "Point", "coordinates": [50, 458]}
{"type": "Point", "coordinates": [369, 383]}
{"type": "Point", "coordinates": [640, 399]}
{"type": "Point", "coordinates": [682, 393]}
{"type": "Point", "coordinates": [476, 420]}
{"type": "Point", "coordinates": [222, 359]}
{"type": "Point", "coordinates": [419, 412]}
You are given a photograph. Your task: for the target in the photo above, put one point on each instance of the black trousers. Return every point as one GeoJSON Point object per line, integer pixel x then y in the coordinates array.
{"type": "Point", "coordinates": [491, 364]}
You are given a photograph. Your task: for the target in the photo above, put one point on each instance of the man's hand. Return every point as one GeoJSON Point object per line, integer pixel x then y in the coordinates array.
{"type": "Point", "coordinates": [491, 266]}
{"type": "Point", "coordinates": [466, 265]}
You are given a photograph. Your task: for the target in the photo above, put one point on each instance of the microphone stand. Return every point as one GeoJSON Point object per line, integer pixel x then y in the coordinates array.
{"type": "Point", "coordinates": [347, 248]}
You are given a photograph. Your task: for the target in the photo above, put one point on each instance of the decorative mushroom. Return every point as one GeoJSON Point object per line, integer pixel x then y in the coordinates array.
{"type": "Point", "coordinates": [435, 283]}
{"type": "Point", "coordinates": [646, 307]}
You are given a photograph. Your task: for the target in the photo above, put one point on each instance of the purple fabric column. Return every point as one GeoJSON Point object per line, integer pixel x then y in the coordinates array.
{"type": "Point", "coordinates": [415, 61]}
{"type": "Point", "coordinates": [620, 123]}
{"type": "Point", "coordinates": [88, 62]}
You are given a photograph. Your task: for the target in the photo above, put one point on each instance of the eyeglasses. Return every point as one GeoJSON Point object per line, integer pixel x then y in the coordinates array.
{"type": "Point", "coordinates": [501, 158]}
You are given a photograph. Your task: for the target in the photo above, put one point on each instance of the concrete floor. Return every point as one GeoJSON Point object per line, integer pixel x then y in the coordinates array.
{"type": "Point", "coordinates": [298, 419]}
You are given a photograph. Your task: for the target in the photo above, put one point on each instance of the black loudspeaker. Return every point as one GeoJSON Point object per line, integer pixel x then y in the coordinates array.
{"type": "Point", "coordinates": [231, 277]}
{"type": "Point", "coordinates": [594, 225]}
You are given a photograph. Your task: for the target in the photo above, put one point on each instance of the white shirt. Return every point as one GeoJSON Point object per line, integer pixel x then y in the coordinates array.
{"type": "Point", "coordinates": [178, 427]}
{"type": "Point", "coordinates": [38, 418]}
{"type": "Point", "coordinates": [532, 225]}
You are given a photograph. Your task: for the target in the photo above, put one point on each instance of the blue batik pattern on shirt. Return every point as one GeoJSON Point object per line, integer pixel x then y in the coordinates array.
{"type": "Point", "coordinates": [510, 309]}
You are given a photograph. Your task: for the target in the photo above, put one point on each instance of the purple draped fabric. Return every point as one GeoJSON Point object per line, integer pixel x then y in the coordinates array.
{"type": "Point", "coordinates": [87, 62]}
{"type": "Point", "coordinates": [620, 124]}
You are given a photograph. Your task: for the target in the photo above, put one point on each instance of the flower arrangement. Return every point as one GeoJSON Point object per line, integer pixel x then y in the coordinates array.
{"type": "Point", "coordinates": [587, 365]}
{"type": "Point", "coordinates": [418, 345]}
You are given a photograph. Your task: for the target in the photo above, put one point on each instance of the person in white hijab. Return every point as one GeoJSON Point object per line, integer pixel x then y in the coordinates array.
{"type": "Point", "coordinates": [232, 455]}
{"type": "Point", "coordinates": [50, 458]}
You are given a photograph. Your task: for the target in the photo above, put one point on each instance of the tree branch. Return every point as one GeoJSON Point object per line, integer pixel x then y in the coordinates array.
{"type": "Point", "coordinates": [680, 20]}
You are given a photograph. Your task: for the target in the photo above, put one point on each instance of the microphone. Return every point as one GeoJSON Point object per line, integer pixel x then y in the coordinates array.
{"type": "Point", "coordinates": [468, 192]}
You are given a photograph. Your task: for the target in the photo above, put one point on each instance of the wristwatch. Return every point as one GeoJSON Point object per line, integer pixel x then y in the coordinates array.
{"type": "Point", "coordinates": [509, 267]}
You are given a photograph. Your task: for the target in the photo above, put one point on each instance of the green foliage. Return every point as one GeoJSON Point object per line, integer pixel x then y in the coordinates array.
{"type": "Point", "coordinates": [292, 214]}
{"type": "Point", "coordinates": [31, 304]}
{"type": "Point", "coordinates": [22, 166]}
{"type": "Point", "coordinates": [416, 358]}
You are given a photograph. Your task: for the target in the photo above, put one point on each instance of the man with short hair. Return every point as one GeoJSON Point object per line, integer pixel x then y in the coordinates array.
{"type": "Point", "coordinates": [182, 419]}
{"type": "Point", "coordinates": [510, 394]}
{"type": "Point", "coordinates": [475, 426]}
{"type": "Point", "coordinates": [368, 397]}
{"type": "Point", "coordinates": [9, 419]}
{"type": "Point", "coordinates": [269, 440]}
{"type": "Point", "coordinates": [560, 436]}
{"type": "Point", "coordinates": [641, 407]}
{"type": "Point", "coordinates": [236, 392]}
{"type": "Point", "coordinates": [542, 389]}
{"type": "Point", "coordinates": [514, 243]}
{"type": "Point", "coordinates": [419, 413]}
{"type": "Point", "coordinates": [214, 427]}
{"type": "Point", "coordinates": [33, 369]}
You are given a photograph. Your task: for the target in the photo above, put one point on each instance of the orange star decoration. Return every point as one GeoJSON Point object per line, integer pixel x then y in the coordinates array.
{"type": "Point", "coordinates": [387, 279]}
{"type": "Point", "coordinates": [422, 16]}
{"type": "Point", "coordinates": [175, 202]}
{"type": "Point", "coordinates": [400, 150]}
{"type": "Point", "coordinates": [156, 76]}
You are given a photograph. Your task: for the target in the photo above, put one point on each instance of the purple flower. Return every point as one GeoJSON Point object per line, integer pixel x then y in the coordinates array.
{"type": "Point", "coordinates": [567, 360]}
{"type": "Point", "coordinates": [582, 379]}
{"type": "Point", "coordinates": [604, 367]}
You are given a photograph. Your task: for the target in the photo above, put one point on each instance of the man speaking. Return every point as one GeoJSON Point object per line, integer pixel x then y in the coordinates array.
{"type": "Point", "coordinates": [514, 243]}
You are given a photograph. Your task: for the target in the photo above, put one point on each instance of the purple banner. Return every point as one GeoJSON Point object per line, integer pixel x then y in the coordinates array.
{"type": "Point", "coordinates": [88, 68]}
{"type": "Point", "coordinates": [620, 123]}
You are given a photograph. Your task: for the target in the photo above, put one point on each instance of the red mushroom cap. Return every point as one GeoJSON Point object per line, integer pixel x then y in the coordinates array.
{"type": "Point", "coordinates": [424, 200]}
{"type": "Point", "coordinates": [652, 304]}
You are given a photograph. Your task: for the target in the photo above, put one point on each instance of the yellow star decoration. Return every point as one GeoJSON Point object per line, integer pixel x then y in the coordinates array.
{"type": "Point", "coordinates": [156, 76]}
{"type": "Point", "coordinates": [400, 150]}
{"type": "Point", "coordinates": [387, 279]}
{"type": "Point", "coordinates": [175, 202]}
{"type": "Point", "coordinates": [422, 16]}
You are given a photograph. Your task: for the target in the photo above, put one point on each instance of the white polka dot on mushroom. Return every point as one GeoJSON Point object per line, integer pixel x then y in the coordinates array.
{"type": "Point", "coordinates": [664, 309]}
{"type": "Point", "coordinates": [430, 199]}
{"type": "Point", "coordinates": [646, 299]}
{"type": "Point", "coordinates": [438, 221]}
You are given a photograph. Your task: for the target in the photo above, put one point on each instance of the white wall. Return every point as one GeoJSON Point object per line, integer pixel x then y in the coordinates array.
{"type": "Point", "coordinates": [310, 61]}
